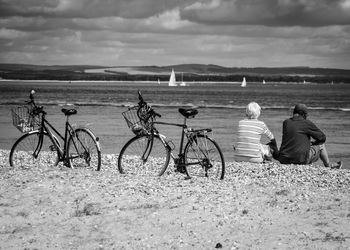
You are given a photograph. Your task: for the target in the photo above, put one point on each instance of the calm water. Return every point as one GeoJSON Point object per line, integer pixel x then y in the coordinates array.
{"type": "Point", "coordinates": [221, 106]}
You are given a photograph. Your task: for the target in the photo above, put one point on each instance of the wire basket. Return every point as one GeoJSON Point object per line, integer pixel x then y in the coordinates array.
{"type": "Point", "coordinates": [138, 126]}
{"type": "Point", "coordinates": [23, 119]}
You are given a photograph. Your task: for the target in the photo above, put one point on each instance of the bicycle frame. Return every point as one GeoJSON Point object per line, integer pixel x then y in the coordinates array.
{"type": "Point", "coordinates": [45, 127]}
{"type": "Point", "coordinates": [183, 127]}
{"type": "Point", "coordinates": [178, 160]}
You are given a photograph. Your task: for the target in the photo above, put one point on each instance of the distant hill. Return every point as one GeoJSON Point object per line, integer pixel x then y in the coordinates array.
{"type": "Point", "coordinates": [190, 72]}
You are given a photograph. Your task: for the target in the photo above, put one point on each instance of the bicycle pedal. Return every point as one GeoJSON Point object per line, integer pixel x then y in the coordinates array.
{"type": "Point", "coordinates": [66, 164]}
{"type": "Point", "coordinates": [180, 170]}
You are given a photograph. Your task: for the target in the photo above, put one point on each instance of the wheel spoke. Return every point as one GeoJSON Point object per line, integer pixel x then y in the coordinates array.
{"type": "Point", "coordinates": [83, 151]}
{"type": "Point", "coordinates": [205, 158]}
{"type": "Point", "coordinates": [140, 157]}
{"type": "Point", "coordinates": [22, 152]}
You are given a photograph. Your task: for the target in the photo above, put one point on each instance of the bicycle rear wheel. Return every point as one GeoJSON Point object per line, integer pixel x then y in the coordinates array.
{"type": "Point", "coordinates": [27, 152]}
{"type": "Point", "coordinates": [204, 157]}
{"type": "Point", "coordinates": [84, 150]}
{"type": "Point", "coordinates": [142, 156]}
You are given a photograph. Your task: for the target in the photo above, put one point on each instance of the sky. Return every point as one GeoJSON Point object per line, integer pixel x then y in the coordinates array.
{"type": "Point", "coordinates": [231, 33]}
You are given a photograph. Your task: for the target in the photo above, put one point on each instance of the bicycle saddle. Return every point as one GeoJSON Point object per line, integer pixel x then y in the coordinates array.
{"type": "Point", "coordinates": [188, 113]}
{"type": "Point", "coordinates": [69, 112]}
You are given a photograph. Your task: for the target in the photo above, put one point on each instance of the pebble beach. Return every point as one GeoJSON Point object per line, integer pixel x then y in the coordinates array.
{"type": "Point", "coordinates": [256, 206]}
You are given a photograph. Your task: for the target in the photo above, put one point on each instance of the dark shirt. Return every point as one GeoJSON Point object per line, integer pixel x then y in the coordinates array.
{"type": "Point", "coordinates": [296, 135]}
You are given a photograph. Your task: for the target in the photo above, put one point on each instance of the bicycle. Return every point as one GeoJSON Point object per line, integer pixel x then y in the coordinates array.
{"type": "Point", "coordinates": [150, 152]}
{"type": "Point", "coordinates": [80, 149]}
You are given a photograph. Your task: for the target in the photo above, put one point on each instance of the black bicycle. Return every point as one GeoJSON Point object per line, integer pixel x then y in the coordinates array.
{"type": "Point", "coordinates": [149, 152]}
{"type": "Point", "coordinates": [40, 146]}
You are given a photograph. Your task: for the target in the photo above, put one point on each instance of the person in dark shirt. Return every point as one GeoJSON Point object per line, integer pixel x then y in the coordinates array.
{"type": "Point", "coordinates": [297, 147]}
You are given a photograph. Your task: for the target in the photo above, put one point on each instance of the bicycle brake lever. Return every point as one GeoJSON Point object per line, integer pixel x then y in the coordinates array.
{"type": "Point", "coordinates": [31, 96]}
{"type": "Point", "coordinates": [156, 114]}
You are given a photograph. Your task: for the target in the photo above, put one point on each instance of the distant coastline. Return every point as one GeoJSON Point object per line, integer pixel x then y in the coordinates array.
{"type": "Point", "coordinates": [188, 72]}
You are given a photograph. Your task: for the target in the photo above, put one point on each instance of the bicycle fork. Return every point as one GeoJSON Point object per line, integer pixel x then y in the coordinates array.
{"type": "Point", "coordinates": [149, 146]}
{"type": "Point", "coordinates": [38, 146]}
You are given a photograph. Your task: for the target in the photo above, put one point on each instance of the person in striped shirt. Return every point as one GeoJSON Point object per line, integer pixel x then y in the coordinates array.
{"type": "Point", "coordinates": [250, 130]}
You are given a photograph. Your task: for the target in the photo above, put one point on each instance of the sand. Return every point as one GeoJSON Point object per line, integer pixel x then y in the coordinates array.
{"type": "Point", "coordinates": [268, 206]}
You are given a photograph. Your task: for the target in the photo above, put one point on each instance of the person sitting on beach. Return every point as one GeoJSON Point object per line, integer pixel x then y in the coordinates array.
{"type": "Point", "coordinates": [248, 146]}
{"type": "Point", "coordinates": [296, 146]}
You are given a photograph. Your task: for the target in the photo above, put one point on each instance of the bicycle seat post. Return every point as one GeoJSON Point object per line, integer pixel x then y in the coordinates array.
{"type": "Point", "coordinates": [184, 126]}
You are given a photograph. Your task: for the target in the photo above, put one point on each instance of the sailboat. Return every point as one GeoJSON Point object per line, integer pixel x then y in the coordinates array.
{"type": "Point", "coordinates": [158, 81]}
{"type": "Point", "coordinates": [182, 80]}
{"type": "Point", "coordinates": [264, 82]}
{"type": "Point", "coordinates": [172, 80]}
{"type": "Point", "coordinates": [244, 83]}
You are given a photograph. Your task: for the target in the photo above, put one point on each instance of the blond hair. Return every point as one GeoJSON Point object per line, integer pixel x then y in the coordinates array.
{"type": "Point", "coordinates": [253, 110]}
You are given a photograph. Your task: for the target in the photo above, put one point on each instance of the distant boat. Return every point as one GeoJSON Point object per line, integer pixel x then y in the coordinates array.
{"type": "Point", "coordinates": [172, 80]}
{"type": "Point", "coordinates": [182, 80]}
{"type": "Point", "coordinates": [264, 82]}
{"type": "Point", "coordinates": [158, 81]}
{"type": "Point", "coordinates": [244, 83]}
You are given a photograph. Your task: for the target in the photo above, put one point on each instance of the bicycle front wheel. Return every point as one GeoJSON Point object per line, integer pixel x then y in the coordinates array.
{"type": "Point", "coordinates": [84, 150]}
{"type": "Point", "coordinates": [144, 156]}
{"type": "Point", "coordinates": [28, 151]}
{"type": "Point", "coordinates": [203, 157]}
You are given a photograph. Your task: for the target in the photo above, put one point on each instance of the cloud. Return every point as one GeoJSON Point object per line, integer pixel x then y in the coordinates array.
{"type": "Point", "coordinates": [242, 33]}
{"type": "Point", "coordinates": [11, 34]}
{"type": "Point", "coordinates": [87, 8]}
{"type": "Point", "coordinates": [269, 12]}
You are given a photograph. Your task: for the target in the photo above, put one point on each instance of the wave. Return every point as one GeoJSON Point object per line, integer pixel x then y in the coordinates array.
{"type": "Point", "coordinates": [168, 105]}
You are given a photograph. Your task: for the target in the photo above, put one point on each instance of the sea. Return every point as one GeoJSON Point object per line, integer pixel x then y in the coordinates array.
{"type": "Point", "coordinates": [221, 105]}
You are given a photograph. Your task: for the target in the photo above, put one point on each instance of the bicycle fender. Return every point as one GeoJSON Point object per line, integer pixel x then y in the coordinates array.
{"type": "Point", "coordinates": [97, 139]}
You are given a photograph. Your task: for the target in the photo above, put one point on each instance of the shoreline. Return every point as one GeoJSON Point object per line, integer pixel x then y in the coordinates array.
{"type": "Point", "coordinates": [112, 158]}
{"type": "Point", "coordinates": [108, 124]}
{"type": "Point", "coordinates": [166, 82]}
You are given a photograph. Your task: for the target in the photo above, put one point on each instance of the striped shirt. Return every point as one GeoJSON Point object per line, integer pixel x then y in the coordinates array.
{"type": "Point", "coordinates": [249, 135]}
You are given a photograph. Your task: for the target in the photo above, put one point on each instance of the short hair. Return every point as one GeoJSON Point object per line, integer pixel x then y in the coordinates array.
{"type": "Point", "coordinates": [253, 110]}
{"type": "Point", "coordinates": [300, 109]}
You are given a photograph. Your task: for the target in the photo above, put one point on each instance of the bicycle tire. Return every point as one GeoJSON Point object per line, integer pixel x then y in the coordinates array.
{"type": "Point", "coordinates": [84, 150]}
{"type": "Point", "coordinates": [21, 154]}
{"type": "Point", "coordinates": [157, 159]}
{"type": "Point", "coordinates": [207, 153]}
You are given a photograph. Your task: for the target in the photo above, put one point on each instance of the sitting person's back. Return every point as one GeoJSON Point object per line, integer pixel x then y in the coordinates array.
{"type": "Point", "coordinates": [296, 147]}
{"type": "Point", "coordinates": [248, 145]}
{"type": "Point", "coordinates": [296, 144]}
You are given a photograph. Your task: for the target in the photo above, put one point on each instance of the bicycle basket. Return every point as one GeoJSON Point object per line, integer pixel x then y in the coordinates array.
{"type": "Point", "coordinates": [138, 126]}
{"type": "Point", "coordinates": [23, 119]}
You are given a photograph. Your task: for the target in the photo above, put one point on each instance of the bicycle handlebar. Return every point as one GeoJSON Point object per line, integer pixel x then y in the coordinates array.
{"type": "Point", "coordinates": [36, 109]}
{"type": "Point", "coordinates": [142, 104]}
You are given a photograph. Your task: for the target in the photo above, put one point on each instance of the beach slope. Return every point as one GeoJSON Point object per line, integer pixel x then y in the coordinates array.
{"type": "Point", "coordinates": [267, 206]}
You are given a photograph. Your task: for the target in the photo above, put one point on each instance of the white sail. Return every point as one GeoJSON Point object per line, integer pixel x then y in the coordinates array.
{"type": "Point", "coordinates": [244, 83]}
{"type": "Point", "coordinates": [172, 80]}
{"type": "Point", "coordinates": [158, 81]}
{"type": "Point", "coordinates": [264, 82]}
{"type": "Point", "coordinates": [182, 80]}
